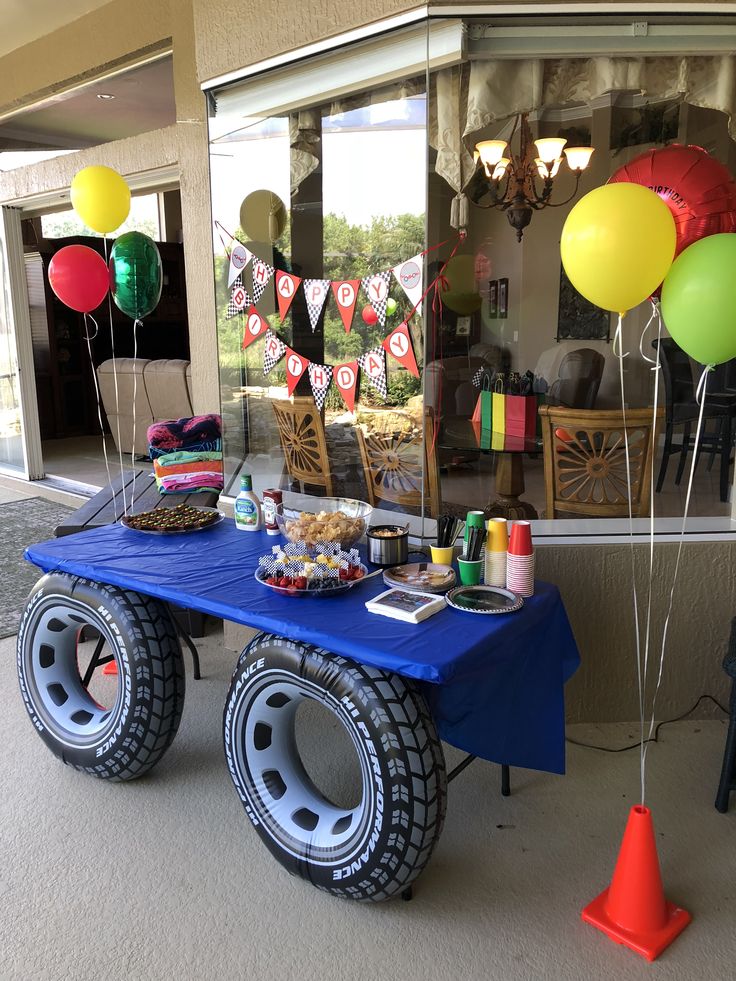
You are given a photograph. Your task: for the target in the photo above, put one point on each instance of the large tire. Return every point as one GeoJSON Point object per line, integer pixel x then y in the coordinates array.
{"type": "Point", "coordinates": [369, 852]}
{"type": "Point", "coordinates": [125, 740]}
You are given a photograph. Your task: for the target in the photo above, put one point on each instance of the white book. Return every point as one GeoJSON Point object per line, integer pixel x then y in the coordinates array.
{"type": "Point", "coordinates": [402, 604]}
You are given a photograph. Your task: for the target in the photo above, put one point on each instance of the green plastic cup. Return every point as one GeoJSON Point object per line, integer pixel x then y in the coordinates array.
{"type": "Point", "coordinates": [470, 571]}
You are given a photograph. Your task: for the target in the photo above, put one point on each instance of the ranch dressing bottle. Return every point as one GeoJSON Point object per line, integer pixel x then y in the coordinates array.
{"type": "Point", "coordinates": [247, 506]}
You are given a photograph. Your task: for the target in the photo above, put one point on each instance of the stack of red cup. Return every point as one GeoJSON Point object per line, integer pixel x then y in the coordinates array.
{"type": "Point", "coordinates": [520, 561]}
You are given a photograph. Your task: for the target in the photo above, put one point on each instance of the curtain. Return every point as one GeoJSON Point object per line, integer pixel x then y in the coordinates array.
{"type": "Point", "coordinates": [305, 126]}
{"type": "Point", "coordinates": [470, 97]}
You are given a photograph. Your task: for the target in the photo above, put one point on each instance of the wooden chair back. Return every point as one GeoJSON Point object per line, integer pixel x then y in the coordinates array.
{"type": "Point", "coordinates": [392, 464]}
{"type": "Point", "coordinates": [303, 441]}
{"type": "Point", "coordinates": [585, 461]}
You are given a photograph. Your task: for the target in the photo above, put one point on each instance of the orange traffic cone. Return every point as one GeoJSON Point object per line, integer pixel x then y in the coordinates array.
{"type": "Point", "coordinates": [633, 910]}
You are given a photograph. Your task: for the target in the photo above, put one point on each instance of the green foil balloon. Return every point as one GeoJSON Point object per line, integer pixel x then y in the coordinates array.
{"type": "Point", "coordinates": [699, 299]}
{"type": "Point", "coordinates": [135, 274]}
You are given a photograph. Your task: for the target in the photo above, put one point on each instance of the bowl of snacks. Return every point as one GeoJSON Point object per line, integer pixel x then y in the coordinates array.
{"type": "Point", "coordinates": [323, 519]}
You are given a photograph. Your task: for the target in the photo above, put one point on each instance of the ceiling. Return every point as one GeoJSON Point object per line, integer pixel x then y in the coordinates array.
{"type": "Point", "coordinates": [143, 101]}
{"type": "Point", "coordinates": [22, 21]}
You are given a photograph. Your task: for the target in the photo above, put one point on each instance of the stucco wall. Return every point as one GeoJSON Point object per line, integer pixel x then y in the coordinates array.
{"type": "Point", "coordinates": [595, 582]}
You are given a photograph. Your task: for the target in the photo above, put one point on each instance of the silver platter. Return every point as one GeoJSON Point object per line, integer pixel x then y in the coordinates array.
{"type": "Point", "coordinates": [484, 599]}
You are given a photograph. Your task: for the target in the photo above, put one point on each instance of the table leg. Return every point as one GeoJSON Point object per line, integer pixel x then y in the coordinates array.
{"type": "Point", "coordinates": [509, 488]}
{"type": "Point", "coordinates": [370, 851]}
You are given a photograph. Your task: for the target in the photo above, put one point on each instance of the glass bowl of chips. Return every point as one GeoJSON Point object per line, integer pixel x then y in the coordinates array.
{"type": "Point", "coordinates": [323, 519]}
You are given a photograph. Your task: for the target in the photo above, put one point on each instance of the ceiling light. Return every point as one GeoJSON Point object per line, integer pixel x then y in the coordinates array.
{"type": "Point", "coordinates": [105, 95]}
{"type": "Point", "coordinates": [520, 196]}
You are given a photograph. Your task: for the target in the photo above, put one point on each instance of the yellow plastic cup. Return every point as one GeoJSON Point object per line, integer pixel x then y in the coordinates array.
{"type": "Point", "coordinates": [498, 536]}
{"type": "Point", "coordinates": [442, 556]}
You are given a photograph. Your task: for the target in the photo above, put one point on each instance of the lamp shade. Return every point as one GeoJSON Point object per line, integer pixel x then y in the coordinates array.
{"type": "Point", "coordinates": [550, 149]}
{"type": "Point", "coordinates": [547, 170]}
{"type": "Point", "coordinates": [578, 157]}
{"type": "Point", "coordinates": [491, 151]}
{"type": "Point", "coordinates": [500, 169]}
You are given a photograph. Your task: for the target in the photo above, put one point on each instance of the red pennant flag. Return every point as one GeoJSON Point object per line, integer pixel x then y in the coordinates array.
{"type": "Point", "coordinates": [255, 325]}
{"type": "Point", "coordinates": [296, 365]}
{"type": "Point", "coordinates": [346, 296]}
{"type": "Point", "coordinates": [345, 376]}
{"type": "Point", "coordinates": [286, 287]}
{"type": "Point", "coordinates": [399, 345]}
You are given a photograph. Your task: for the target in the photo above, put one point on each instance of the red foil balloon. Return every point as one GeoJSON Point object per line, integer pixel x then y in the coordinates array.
{"type": "Point", "coordinates": [699, 191]}
{"type": "Point", "coordinates": [79, 277]}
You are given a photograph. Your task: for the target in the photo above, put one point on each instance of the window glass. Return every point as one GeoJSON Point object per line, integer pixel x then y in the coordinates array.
{"type": "Point", "coordinates": [509, 308]}
{"type": "Point", "coordinates": [143, 217]}
{"type": "Point", "coordinates": [354, 185]}
{"type": "Point", "coordinates": [331, 193]}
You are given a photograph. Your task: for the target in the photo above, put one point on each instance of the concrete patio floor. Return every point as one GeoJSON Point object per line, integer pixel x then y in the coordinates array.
{"type": "Point", "coordinates": [164, 877]}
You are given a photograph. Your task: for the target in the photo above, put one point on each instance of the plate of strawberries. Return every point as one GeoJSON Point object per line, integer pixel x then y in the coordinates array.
{"type": "Point", "coordinates": [325, 570]}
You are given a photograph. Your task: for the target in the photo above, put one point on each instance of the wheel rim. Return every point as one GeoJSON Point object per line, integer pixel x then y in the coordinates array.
{"type": "Point", "coordinates": [52, 671]}
{"type": "Point", "coordinates": [296, 812]}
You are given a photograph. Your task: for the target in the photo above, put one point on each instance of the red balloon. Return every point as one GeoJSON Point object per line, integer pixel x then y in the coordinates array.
{"type": "Point", "coordinates": [699, 191]}
{"type": "Point", "coordinates": [369, 315]}
{"type": "Point", "coordinates": [79, 277]}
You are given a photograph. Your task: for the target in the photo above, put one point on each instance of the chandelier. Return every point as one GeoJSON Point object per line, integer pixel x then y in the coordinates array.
{"type": "Point", "coordinates": [537, 160]}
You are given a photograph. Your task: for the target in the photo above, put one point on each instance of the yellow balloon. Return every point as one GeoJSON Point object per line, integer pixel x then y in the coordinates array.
{"type": "Point", "coordinates": [101, 198]}
{"type": "Point", "coordinates": [617, 245]}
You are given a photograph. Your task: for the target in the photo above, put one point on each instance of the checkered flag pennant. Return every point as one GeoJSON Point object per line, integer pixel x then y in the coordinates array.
{"type": "Point", "coordinates": [273, 351]}
{"type": "Point", "coordinates": [315, 293]}
{"type": "Point", "coordinates": [320, 378]}
{"type": "Point", "coordinates": [239, 299]}
{"type": "Point", "coordinates": [375, 288]}
{"type": "Point", "coordinates": [262, 273]}
{"type": "Point", "coordinates": [478, 377]}
{"type": "Point", "coordinates": [373, 364]}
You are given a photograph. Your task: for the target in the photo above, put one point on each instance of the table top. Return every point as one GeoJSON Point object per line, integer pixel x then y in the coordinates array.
{"type": "Point", "coordinates": [107, 505]}
{"type": "Point", "coordinates": [213, 571]}
{"type": "Point", "coordinates": [463, 434]}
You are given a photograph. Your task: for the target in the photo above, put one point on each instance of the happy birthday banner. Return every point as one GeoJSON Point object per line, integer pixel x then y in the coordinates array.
{"type": "Point", "coordinates": [317, 291]}
{"type": "Point", "coordinates": [344, 292]}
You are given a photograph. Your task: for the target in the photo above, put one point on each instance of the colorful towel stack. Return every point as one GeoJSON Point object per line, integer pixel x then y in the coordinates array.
{"type": "Point", "coordinates": [187, 454]}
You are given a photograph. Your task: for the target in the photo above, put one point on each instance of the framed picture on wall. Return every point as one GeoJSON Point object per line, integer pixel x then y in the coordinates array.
{"type": "Point", "coordinates": [462, 327]}
{"type": "Point", "coordinates": [577, 318]}
{"type": "Point", "coordinates": [493, 298]}
{"type": "Point", "coordinates": [503, 297]}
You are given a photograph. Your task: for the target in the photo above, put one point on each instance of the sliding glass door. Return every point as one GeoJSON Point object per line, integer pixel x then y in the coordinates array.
{"type": "Point", "coordinates": [20, 450]}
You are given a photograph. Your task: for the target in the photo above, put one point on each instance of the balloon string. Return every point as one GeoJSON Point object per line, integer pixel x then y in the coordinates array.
{"type": "Point", "coordinates": [650, 584]}
{"type": "Point", "coordinates": [655, 315]}
{"type": "Point", "coordinates": [136, 325]}
{"type": "Point", "coordinates": [117, 394]}
{"type": "Point", "coordinates": [618, 350]}
{"type": "Point", "coordinates": [702, 387]}
{"type": "Point", "coordinates": [89, 340]}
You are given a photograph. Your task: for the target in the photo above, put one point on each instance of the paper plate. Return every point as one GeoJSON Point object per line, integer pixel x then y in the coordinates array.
{"type": "Point", "coordinates": [484, 599]}
{"type": "Point", "coordinates": [421, 577]}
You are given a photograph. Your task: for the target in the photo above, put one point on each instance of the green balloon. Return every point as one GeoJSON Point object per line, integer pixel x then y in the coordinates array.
{"type": "Point", "coordinates": [699, 299]}
{"type": "Point", "coordinates": [390, 306]}
{"type": "Point", "coordinates": [135, 274]}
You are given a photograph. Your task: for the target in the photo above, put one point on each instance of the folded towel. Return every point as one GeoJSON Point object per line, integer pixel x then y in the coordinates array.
{"type": "Point", "coordinates": [175, 434]}
{"type": "Point", "coordinates": [195, 466]}
{"type": "Point", "coordinates": [208, 446]}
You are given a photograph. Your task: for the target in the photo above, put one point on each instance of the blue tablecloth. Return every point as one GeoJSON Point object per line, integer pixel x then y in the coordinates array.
{"type": "Point", "coordinates": [494, 683]}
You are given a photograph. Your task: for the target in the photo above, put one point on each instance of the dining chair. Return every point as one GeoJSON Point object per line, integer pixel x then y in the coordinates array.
{"type": "Point", "coordinates": [682, 409]}
{"type": "Point", "coordinates": [578, 379]}
{"type": "Point", "coordinates": [728, 771]}
{"type": "Point", "coordinates": [585, 461]}
{"type": "Point", "coordinates": [394, 464]}
{"type": "Point", "coordinates": [303, 442]}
